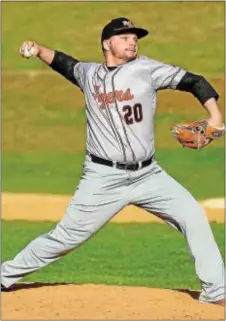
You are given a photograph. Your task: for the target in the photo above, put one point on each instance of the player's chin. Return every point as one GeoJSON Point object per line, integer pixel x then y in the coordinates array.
{"type": "Point", "coordinates": [130, 55]}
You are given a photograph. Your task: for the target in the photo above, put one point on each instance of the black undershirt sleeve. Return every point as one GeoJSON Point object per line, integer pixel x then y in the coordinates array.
{"type": "Point", "coordinates": [64, 65]}
{"type": "Point", "coordinates": [198, 86]}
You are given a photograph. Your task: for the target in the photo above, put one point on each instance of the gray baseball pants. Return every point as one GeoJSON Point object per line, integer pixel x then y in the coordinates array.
{"type": "Point", "coordinates": [102, 192]}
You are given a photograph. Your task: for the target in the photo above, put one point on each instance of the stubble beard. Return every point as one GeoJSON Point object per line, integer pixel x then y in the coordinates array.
{"type": "Point", "coordinates": [128, 58]}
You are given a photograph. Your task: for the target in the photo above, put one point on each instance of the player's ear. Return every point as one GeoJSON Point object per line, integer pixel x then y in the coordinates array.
{"type": "Point", "coordinates": [106, 45]}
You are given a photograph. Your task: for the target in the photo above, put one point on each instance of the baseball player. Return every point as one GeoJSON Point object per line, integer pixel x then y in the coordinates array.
{"type": "Point", "coordinates": [120, 166]}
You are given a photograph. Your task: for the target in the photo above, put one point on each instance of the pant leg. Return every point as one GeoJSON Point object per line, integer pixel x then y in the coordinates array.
{"type": "Point", "coordinates": [160, 194]}
{"type": "Point", "coordinates": [99, 196]}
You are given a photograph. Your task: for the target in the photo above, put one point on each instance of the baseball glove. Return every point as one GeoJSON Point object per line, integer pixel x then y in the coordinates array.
{"type": "Point", "coordinates": [196, 134]}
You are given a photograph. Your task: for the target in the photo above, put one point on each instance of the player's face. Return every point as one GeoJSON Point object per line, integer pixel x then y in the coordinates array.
{"type": "Point", "coordinates": [124, 46]}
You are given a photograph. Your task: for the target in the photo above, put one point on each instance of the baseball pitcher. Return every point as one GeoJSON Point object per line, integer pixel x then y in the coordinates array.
{"type": "Point", "coordinates": [120, 166]}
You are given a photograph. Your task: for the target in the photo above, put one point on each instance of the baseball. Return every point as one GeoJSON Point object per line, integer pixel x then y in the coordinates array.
{"type": "Point", "coordinates": [28, 51]}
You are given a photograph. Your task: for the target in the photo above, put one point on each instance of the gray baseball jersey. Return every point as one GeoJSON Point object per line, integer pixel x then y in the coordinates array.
{"type": "Point", "coordinates": [120, 106]}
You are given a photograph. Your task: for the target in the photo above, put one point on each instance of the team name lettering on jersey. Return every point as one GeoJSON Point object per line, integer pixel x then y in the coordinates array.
{"type": "Point", "coordinates": [105, 99]}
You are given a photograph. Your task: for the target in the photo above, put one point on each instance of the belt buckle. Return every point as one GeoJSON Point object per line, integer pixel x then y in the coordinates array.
{"type": "Point", "coordinates": [132, 166]}
{"type": "Point", "coordinates": [127, 166]}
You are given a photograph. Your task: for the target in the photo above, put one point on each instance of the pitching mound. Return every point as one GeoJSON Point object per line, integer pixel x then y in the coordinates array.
{"type": "Point", "coordinates": [70, 302]}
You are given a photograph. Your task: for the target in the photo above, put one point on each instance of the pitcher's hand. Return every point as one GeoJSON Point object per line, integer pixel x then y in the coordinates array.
{"type": "Point", "coordinates": [29, 49]}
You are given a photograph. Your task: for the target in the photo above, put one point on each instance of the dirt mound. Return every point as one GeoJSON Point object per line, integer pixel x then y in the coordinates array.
{"type": "Point", "coordinates": [52, 208]}
{"type": "Point", "coordinates": [102, 302]}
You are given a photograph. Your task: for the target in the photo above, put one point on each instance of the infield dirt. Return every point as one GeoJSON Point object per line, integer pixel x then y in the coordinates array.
{"type": "Point", "coordinates": [40, 207]}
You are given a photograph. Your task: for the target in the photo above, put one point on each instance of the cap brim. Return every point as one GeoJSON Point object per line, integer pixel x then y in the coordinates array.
{"type": "Point", "coordinates": [140, 32]}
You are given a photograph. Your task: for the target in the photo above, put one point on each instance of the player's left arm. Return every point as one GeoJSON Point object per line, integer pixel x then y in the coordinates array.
{"type": "Point", "coordinates": [165, 76]}
{"type": "Point", "coordinates": [205, 93]}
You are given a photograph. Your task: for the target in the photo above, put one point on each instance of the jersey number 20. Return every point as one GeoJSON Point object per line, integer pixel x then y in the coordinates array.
{"type": "Point", "coordinates": [133, 113]}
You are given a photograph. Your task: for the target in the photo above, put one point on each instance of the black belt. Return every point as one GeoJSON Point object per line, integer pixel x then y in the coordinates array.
{"type": "Point", "coordinates": [119, 165]}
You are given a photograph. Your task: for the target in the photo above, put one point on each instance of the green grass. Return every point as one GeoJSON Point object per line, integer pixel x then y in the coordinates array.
{"type": "Point", "coordinates": [199, 171]}
{"type": "Point", "coordinates": [123, 254]}
{"type": "Point", "coordinates": [194, 38]}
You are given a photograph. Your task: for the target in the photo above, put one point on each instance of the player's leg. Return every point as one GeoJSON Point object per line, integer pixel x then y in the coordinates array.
{"type": "Point", "coordinates": [160, 194]}
{"type": "Point", "coordinates": [98, 198]}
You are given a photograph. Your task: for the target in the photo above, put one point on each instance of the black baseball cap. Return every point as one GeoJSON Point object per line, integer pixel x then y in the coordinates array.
{"type": "Point", "coordinates": [120, 26]}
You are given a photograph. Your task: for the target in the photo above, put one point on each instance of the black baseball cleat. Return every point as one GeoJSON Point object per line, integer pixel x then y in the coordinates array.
{"type": "Point", "coordinates": [3, 288]}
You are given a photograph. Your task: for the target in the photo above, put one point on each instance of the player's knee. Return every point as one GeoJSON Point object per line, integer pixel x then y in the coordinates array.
{"type": "Point", "coordinates": [198, 212]}
{"type": "Point", "coordinates": [71, 237]}
{"type": "Point", "coordinates": [194, 216]}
